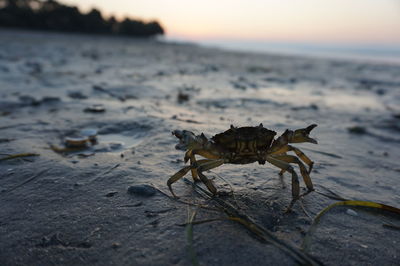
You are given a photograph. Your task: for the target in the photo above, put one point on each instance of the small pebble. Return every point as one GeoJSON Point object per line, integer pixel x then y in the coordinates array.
{"type": "Point", "coordinates": [84, 244]}
{"type": "Point", "coordinates": [351, 212]}
{"type": "Point", "coordinates": [116, 245]}
{"type": "Point", "coordinates": [182, 97]}
{"type": "Point", "coordinates": [142, 190]}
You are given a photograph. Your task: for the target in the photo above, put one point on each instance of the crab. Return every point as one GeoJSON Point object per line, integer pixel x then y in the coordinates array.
{"type": "Point", "coordinates": [245, 145]}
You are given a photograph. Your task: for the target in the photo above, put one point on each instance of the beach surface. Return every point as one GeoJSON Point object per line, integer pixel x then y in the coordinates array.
{"type": "Point", "coordinates": [99, 205]}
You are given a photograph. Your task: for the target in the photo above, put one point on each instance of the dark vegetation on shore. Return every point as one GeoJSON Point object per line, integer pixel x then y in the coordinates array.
{"type": "Point", "coordinates": [53, 16]}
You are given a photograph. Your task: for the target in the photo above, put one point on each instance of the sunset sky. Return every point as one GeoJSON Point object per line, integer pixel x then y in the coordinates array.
{"type": "Point", "coordinates": [337, 21]}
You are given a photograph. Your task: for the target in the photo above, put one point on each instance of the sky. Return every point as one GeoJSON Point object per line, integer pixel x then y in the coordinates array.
{"type": "Point", "coordinates": [321, 21]}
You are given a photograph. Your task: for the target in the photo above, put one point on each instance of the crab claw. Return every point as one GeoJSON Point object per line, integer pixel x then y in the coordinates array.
{"type": "Point", "coordinates": [187, 157]}
{"type": "Point", "coordinates": [188, 140]}
{"type": "Point", "coordinates": [302, 135]}
{"type": "Point", "coordinates": [185, 138]}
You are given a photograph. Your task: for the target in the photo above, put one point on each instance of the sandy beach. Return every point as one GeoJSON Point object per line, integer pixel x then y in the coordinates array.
{"type": "Point", "coordinates": [99, 206]}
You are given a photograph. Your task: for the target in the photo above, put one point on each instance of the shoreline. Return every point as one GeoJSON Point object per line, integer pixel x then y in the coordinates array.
{"type": "Point", "coordinates": [346, 52]}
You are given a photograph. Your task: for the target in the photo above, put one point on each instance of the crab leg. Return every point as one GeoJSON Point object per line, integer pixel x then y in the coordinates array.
{"type": "Point", "coordinates": [295, 179]}
{"type": "Point", "coordinates": [178, 175]}
{"type": "Point", "coordinates": [298, 152]}
{"type": "Point", "coordinates": [194, 171]}
{"type": "Point", "coordinates": [181, 173]}
{"type": "Point", "coordinates": [190, 155]}
{"type": "Point", "coordinates": [303, 170]}
{"type": "Point", "coordinates": [208, 166]}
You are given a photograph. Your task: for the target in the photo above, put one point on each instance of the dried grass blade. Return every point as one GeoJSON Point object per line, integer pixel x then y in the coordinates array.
{"type": "Point", "coordinates": [19, 155]}
{"type": "Point", "coordinates": [391, 226]}
{"type": "Point", "coordinates": [204, 221]}
{"type": "Point", "coordinates": [189, 237]}
{"type": "Point", "coordinates": [27, 181]}
{"type": "Point", "coordinates": [356, 203]}
{"type": "Point", "coordinates": [333, 195]}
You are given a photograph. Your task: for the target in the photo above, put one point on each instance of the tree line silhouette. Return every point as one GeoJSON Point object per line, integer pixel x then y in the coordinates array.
{"type": "Point", "coordinates": [54, 16]}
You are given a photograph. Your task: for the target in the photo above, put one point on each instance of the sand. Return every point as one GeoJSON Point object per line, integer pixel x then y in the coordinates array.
{"type": "Point", "coordinates": [75, 208]}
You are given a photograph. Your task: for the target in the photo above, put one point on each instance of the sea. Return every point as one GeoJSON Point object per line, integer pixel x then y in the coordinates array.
{"type": "Point", "coordinates": [379, 53]}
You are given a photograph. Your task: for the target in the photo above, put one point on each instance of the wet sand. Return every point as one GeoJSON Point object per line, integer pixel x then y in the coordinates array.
{"type": "Point", "coordinates": [75, 208]}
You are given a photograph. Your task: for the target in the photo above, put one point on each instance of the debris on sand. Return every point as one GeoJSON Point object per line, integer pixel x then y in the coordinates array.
{"type": "Point", "coordinates": [182, 97]}
{"type": "Point", "coordinates": [4, 113]}
{"type": "Point", "coordinates": [116, 245]}
{"type": "Point", "coordinates": [77, 95]}
{"type": "Point", "coordinates": [175, 117]}
{"type": "Point", "coordinates": [55, 240]}
{"type": "Point", "coordinates": [111, 194]}
{"type": "Point", "coordinates": [357, 130]}
{"type": "Point", "coordinates": [95, 108]}
{"type": "Point", "coordinates": [28, 100]}
{"type": "Point", "coordinates": [142, 190]}
{"type": "Point", "coordinates": [105, 91]}
{"type": "Point", "coordinates": [4, 140]}
{"type": "Point", "coordinates": [259, 69]}
{"type": "Point", "coordinates": [351, 212]}
{"type": "Point", "coordinates": [77, 142]}
{"type": "Point", "coordinates": [49, 100]}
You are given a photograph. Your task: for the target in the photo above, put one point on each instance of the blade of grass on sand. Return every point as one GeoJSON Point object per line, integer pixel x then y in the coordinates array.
{"type": "Point", "coordinates": [332, 195]}
{"type": "Point", "coordinates": [27, 181]}
{"type": "Point", "coordinates": [189, 237]}
{"type": "Point", "coordinates": [391, 226]}
{"type": "Point", "coordinates": [204, 221]}
{"type": "Point", "coordinates": [355, 203]}
{"type": "Point", "coordinates": [19, 155]}
{"type": "Point", "coordinates": [262, 234]}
